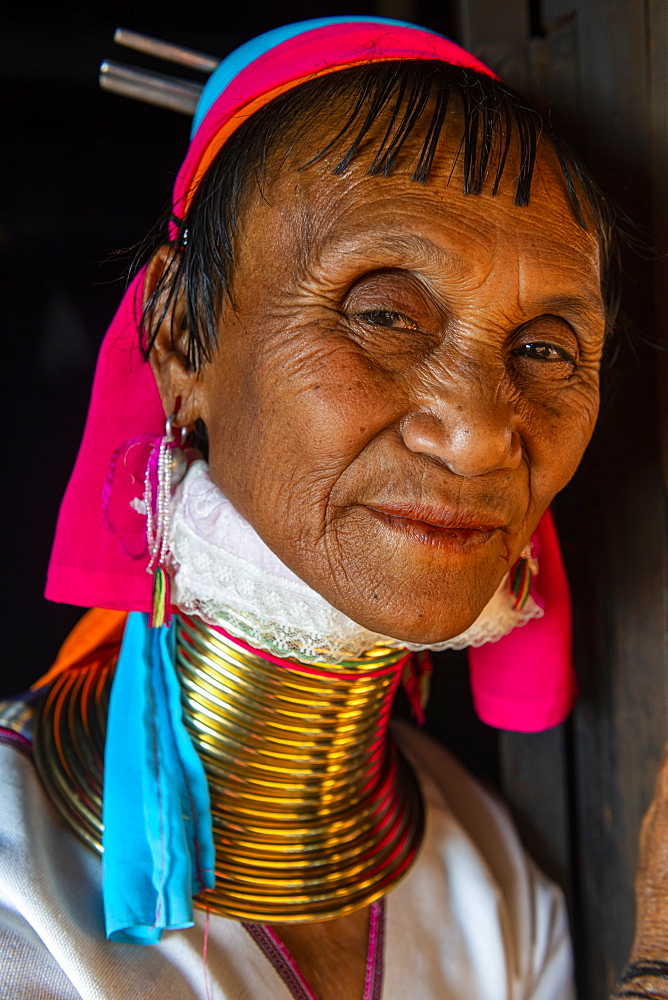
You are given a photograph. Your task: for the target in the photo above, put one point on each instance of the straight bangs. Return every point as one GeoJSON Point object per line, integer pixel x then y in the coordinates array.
{"type": "Point", "coordinates": [376, 108]}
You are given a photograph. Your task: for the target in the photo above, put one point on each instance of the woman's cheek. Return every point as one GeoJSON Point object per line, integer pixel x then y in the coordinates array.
{"type": "Point", "coordinates": [558, 438]}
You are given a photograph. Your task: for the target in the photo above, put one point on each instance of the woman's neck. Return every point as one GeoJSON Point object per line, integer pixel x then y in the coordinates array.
{"type": "Point", "coordinates": [315, 814]}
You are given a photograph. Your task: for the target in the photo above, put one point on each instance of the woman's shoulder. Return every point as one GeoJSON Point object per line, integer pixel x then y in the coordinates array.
{"type": "Point", "coordinates": [473, 851]}
{"type": "Point", "coordinates": [447, 780]}
{"type": "Point", "coordinates": [475, 810]}
{"type": "Point", "coordinates": [52, 936]}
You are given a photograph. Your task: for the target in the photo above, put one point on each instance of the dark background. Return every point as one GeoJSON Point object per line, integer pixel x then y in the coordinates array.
{"type": "Point", "coordinates": [85, 174]}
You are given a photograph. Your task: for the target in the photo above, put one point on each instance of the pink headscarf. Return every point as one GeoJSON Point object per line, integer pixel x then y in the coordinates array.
{"type": "Point", "coordinates": [524, 681]}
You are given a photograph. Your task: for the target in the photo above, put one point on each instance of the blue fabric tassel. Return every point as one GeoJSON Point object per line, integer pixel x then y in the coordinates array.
{"type": "Point", "coordinates": [158, 846]}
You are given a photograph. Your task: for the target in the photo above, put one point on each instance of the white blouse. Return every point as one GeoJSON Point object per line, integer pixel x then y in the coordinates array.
{"type": "Point", "coordinates": [472, 920]}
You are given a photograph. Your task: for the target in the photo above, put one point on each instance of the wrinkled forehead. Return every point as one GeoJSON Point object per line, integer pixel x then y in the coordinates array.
{"type": "Point", "coordinates": [323, 196]}
{"type": "Point", "coordinates": [481, 150]}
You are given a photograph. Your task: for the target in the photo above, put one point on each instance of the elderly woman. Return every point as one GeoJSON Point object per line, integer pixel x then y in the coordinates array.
{"type": "Point", "coordinates": [374, 333]}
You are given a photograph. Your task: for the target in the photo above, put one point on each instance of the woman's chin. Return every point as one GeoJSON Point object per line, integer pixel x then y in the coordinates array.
{"type": "Point", "coordinates": [420, 629]}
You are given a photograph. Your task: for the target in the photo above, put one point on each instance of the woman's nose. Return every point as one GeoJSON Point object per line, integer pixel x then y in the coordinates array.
{"type": "Point", "coordinates": [471, 437]}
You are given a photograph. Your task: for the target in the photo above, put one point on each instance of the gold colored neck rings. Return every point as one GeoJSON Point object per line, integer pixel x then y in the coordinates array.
{"type": "Point", "coordinates": [314, 811]}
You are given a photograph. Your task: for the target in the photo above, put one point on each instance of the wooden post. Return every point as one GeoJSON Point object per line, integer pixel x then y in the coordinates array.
{"type": "Point", "coordinates": [601, 66]}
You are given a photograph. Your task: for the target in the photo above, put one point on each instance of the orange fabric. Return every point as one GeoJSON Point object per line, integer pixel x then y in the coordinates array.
{"type": "Point", "coordinates": [97, 635]}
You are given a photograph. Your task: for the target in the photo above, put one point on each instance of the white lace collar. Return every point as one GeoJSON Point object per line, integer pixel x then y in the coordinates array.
{"type": "Point", "coordinates": [224, 573]}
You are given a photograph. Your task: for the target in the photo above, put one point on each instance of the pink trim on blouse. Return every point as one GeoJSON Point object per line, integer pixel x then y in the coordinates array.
{"type": "Point", "coordinates": [10, 738]}
{"type": "Point", "coordinates": [287, 968]}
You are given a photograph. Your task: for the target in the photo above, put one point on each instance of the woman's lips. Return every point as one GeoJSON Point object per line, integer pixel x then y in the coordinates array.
{"type": "Point", "coordinates": [454, 530]}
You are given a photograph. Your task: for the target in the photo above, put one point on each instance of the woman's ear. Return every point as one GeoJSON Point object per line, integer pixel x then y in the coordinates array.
{"type": "Point", "coordinates": [168, 357]}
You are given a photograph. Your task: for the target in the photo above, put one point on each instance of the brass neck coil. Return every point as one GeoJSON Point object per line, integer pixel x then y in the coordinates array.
{"type": "Point", "coordinates": [314, 811]}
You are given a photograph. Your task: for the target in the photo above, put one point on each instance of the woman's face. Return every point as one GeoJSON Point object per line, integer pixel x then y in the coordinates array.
{"type": "Point", "coordinates": [408, 378]}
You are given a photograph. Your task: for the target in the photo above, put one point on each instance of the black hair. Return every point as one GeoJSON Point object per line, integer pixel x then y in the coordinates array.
{"type": "Point", "coordinates": [410, 96]}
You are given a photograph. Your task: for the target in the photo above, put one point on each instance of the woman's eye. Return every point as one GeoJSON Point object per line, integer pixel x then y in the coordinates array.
{"type": "Point", "coordinates": [539, 351]}
{"type": "Point", "coordinates": [387, 318]}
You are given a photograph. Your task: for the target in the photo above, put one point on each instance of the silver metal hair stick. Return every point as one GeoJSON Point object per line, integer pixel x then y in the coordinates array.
{"type": "Point", "coordinates": [152, 88]}
{"type": "Point", "coordinates": [165, 50]}
{"type": "Point", "coordinates": [160, 89]}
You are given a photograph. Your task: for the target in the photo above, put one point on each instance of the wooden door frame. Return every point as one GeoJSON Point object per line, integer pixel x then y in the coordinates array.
{"type": "Point", "coordinates": [579, 792]}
